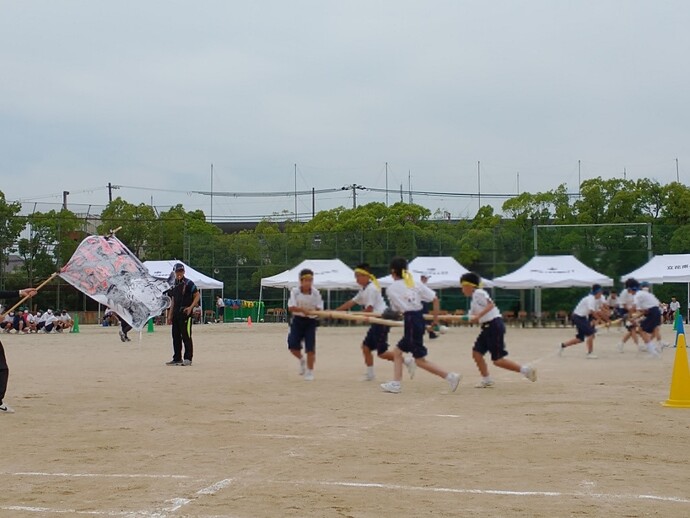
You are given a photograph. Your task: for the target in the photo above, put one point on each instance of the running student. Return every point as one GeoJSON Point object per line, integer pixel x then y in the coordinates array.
{"type": "Point", "coordinates": [491, 339]}
{"type": "Point", "coordinates": [648, 305]}
{"type": "Point", "coordinates": [626, 305]}
{"type": "Point", "coordinates": [370, 299]}
{"type": "Point", "coordinates": [406, 297]}
{"type": "Point", "coordinates": [588, 309]}
{"type": "Point", "coordinates": [304, 299]}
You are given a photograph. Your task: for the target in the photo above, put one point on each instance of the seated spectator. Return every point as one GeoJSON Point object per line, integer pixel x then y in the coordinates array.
{"type": "Point", "coordinates": [196, 314]}
{"type": "Point", "coordinates": [47, 322]}
{"type": "Point", "coordinates": [64, 321]}
{"type": "Point", "coordinates": [6, 324]}
{"type": "Point", "coordinates": [18, 322]}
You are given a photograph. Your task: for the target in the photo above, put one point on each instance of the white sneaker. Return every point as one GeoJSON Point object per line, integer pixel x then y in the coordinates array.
{"type": "Point", "coordinates": [653, 352]}
{"type": "Point", "coordinates": [453, 380]}
{"type": "Point", "coordinates": [309, 376]}
{"type": "Point", "coordinates": [368, 376]}
{"type": "Point", "coordinates": [187, 363]}
{"type": "Point", "coordinates": [5, 409]}
{"type": "Point", "coordinates": [122, 336]}
{"type": "Point", "coordinates": [592, 356]}
{"type": "Point", "coordinates": [620, 347]}
{"type": "Point", "coordinates": [302, 366]}
{"type": "Point", "coordinates": [485, 384]}
{"type": "Point", "coordinates": [531, 373]}
{"type": "Point", "coordinates": [411, 367]}
{"type": "Point", "coordinates": [391, 386]}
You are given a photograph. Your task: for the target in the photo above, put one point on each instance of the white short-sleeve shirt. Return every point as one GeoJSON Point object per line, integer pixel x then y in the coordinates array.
{"type": "Point", "coordinates": [586, 306]}
{"type": "Point", "coordinates": [480, 300]}
{"type": "Point", "coordinates": [370, 295]}
{"type": "Point", "coordinates": [308, 301]}
{"type": "Point", "coordinates": [645, 300]}
{"type": "Point", "coordinates": [403, 298]}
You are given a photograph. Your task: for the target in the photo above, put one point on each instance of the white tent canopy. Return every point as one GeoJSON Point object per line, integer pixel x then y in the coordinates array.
{"type": "Point", "coordinates": [443, 272]}
{"type": "Point", "coordinates": [663, 269]}
{"type": "Point", "coordinates": [329, 274]}
{"type": "Point", "coordinates": [552, 271]}
{"type": "Point", "coordinates": [162, 270]}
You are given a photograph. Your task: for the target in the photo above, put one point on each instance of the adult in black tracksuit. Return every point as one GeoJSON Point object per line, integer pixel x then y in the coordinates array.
{"type": "Point", "coordinates": [185, 296]}
{"type": "Point", "coordinates": [4, 369]}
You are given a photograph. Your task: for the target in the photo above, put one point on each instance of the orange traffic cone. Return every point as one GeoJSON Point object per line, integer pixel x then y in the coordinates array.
{"type": "Point", "coordinates": [680, 380]}
{"type": "Point", "coordinates": [249, 321]}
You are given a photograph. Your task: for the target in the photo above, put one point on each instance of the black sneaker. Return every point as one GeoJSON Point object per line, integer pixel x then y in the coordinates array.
{"type": "Point", "coordinates": [432, 335]}
{"type": "Point", "coordinates": [174, 362]}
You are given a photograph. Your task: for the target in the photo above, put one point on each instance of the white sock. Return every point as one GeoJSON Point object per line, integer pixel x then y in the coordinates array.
{"type": "Point", "coordinates": [524, 369]}
{"type": "Point", "coordinates": [370, 370]}
{"type": "Point", "coordinates": [407, 360]}
{"type": "Point", "coordinates": [486, 379]}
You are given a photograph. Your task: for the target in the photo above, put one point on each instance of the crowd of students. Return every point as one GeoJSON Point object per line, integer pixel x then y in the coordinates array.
{"type": "Point", "coordinates": [24, 321]}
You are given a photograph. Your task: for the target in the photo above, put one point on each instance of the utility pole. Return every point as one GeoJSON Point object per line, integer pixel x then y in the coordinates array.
{"type": "Point", "coordinates": [479, 186]}
{"type": "Point", "coordinates": [677, 173]}
{"type": "Point", "coordinates": [354, 188]}
{"type": "Point", "coordinates": [387, 182]}
{"type": "Point", "coordinates": [211, 219]}
{"type": "Point", "coordinates": [313, 203]}
{"type": "Point", "coordinates": [110, 192]}
{"type": "Point", "coordinates": [64, 199]}
{"type": "Point", "coordinates": [579, 181]}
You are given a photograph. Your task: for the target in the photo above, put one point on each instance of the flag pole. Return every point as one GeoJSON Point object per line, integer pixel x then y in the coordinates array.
{"type": "Point", "coordinates": [27, 297]}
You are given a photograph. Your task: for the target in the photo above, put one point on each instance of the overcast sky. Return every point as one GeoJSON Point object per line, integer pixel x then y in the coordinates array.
{"type": "Point", "coordinates": [150, 93]}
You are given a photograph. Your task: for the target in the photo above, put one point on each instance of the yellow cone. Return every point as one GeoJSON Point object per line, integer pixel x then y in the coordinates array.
{"type": "Point", "coordinates": [680, 381]}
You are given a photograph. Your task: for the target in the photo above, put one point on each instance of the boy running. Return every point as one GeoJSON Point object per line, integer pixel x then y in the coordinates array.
{"type": "Point", "coordinates": [370, 299]}
{"type": "Point", "coordinates": [406, 297]}
{"type": "Point", "coordinates": [588, 309]}
{"type": "Point", "coordinates": [491, 339]}
{"type": "Point", "coordinates": [304, 299]}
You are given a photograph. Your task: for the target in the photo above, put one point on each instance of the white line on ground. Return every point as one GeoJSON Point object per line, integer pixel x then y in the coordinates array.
{"type": "Point", "coordinates": [95, 475]}
{"type": "Point", "coordinates": [28, 509]}
{"type": "Point", "coordinates": [281, 436]}
{"type": "Point", "coordinates": [373, 485]}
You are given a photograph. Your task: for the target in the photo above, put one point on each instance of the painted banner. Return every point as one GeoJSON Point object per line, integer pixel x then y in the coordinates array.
{"type": "Point", "coordinates": [104, 269]}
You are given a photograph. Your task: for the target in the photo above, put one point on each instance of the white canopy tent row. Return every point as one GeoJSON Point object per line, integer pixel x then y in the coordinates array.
{"type": "Point", "coordinates": [329, 274]}
{"type": "Point", "coordinates": [664, 269]}
{"type": "Point", "coordinates": [551, 271]}
{"type": "Point", "coordinates": [443, 272]}
{"type": "Point", "coordinates": [163, 269]}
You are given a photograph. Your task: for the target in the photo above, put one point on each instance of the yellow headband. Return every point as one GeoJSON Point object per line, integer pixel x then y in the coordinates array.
{"type": "Point", "coordinates": [407, 277]}
{"type": "Point", "coordinates": [371, 276]}
{"type": "Point", "coordinates": [306, 276]}
{"type": "Point", "coordinates": [468, 283]}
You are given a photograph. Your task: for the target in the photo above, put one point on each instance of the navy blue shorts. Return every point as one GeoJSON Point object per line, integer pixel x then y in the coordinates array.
{"type": "Point", "coordinates": [652, 320]}
{"type": "Point", "coordinates": [584, 327]}
{"type": "Point", "coordinates": [491, 339]}
{"type": "Point", "coordinates": [377, 338]}
{"type": "Point", "coordinates": [413, 334]}
{"type": "Point", "coordinates": [302, 329]}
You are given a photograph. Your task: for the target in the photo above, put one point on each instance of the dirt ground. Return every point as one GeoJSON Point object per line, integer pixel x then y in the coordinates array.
{"type": "Point", "coordinates": [104, 428]}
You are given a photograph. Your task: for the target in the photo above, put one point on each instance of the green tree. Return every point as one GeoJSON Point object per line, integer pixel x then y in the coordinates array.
{"type": "Point", "coordinates": [136, 224]}
{"type": "Point", "coordinates": [10, 227]}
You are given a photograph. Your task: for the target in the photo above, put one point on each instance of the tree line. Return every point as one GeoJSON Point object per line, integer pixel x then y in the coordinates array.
{"type": "Point", "coordinates": [607, 225]}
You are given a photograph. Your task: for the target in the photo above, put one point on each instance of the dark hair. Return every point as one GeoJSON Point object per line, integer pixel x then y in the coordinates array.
{"type": "Point", "coordinates": [305, 271]}
{"type": "Point", "coordinates": [632, 284]}
{"type": "Point", "coordinates": [471, 278]}
{"type": "Point", "coordinates": [364, 266]}
{"type": "Point", "coordinates": [398, 264]}
{"type": "Point", "coordinates": [596, 288]}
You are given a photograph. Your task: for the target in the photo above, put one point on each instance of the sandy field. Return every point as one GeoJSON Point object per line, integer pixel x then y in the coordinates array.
{"type": "Point", "coordinates": [104, 428]}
